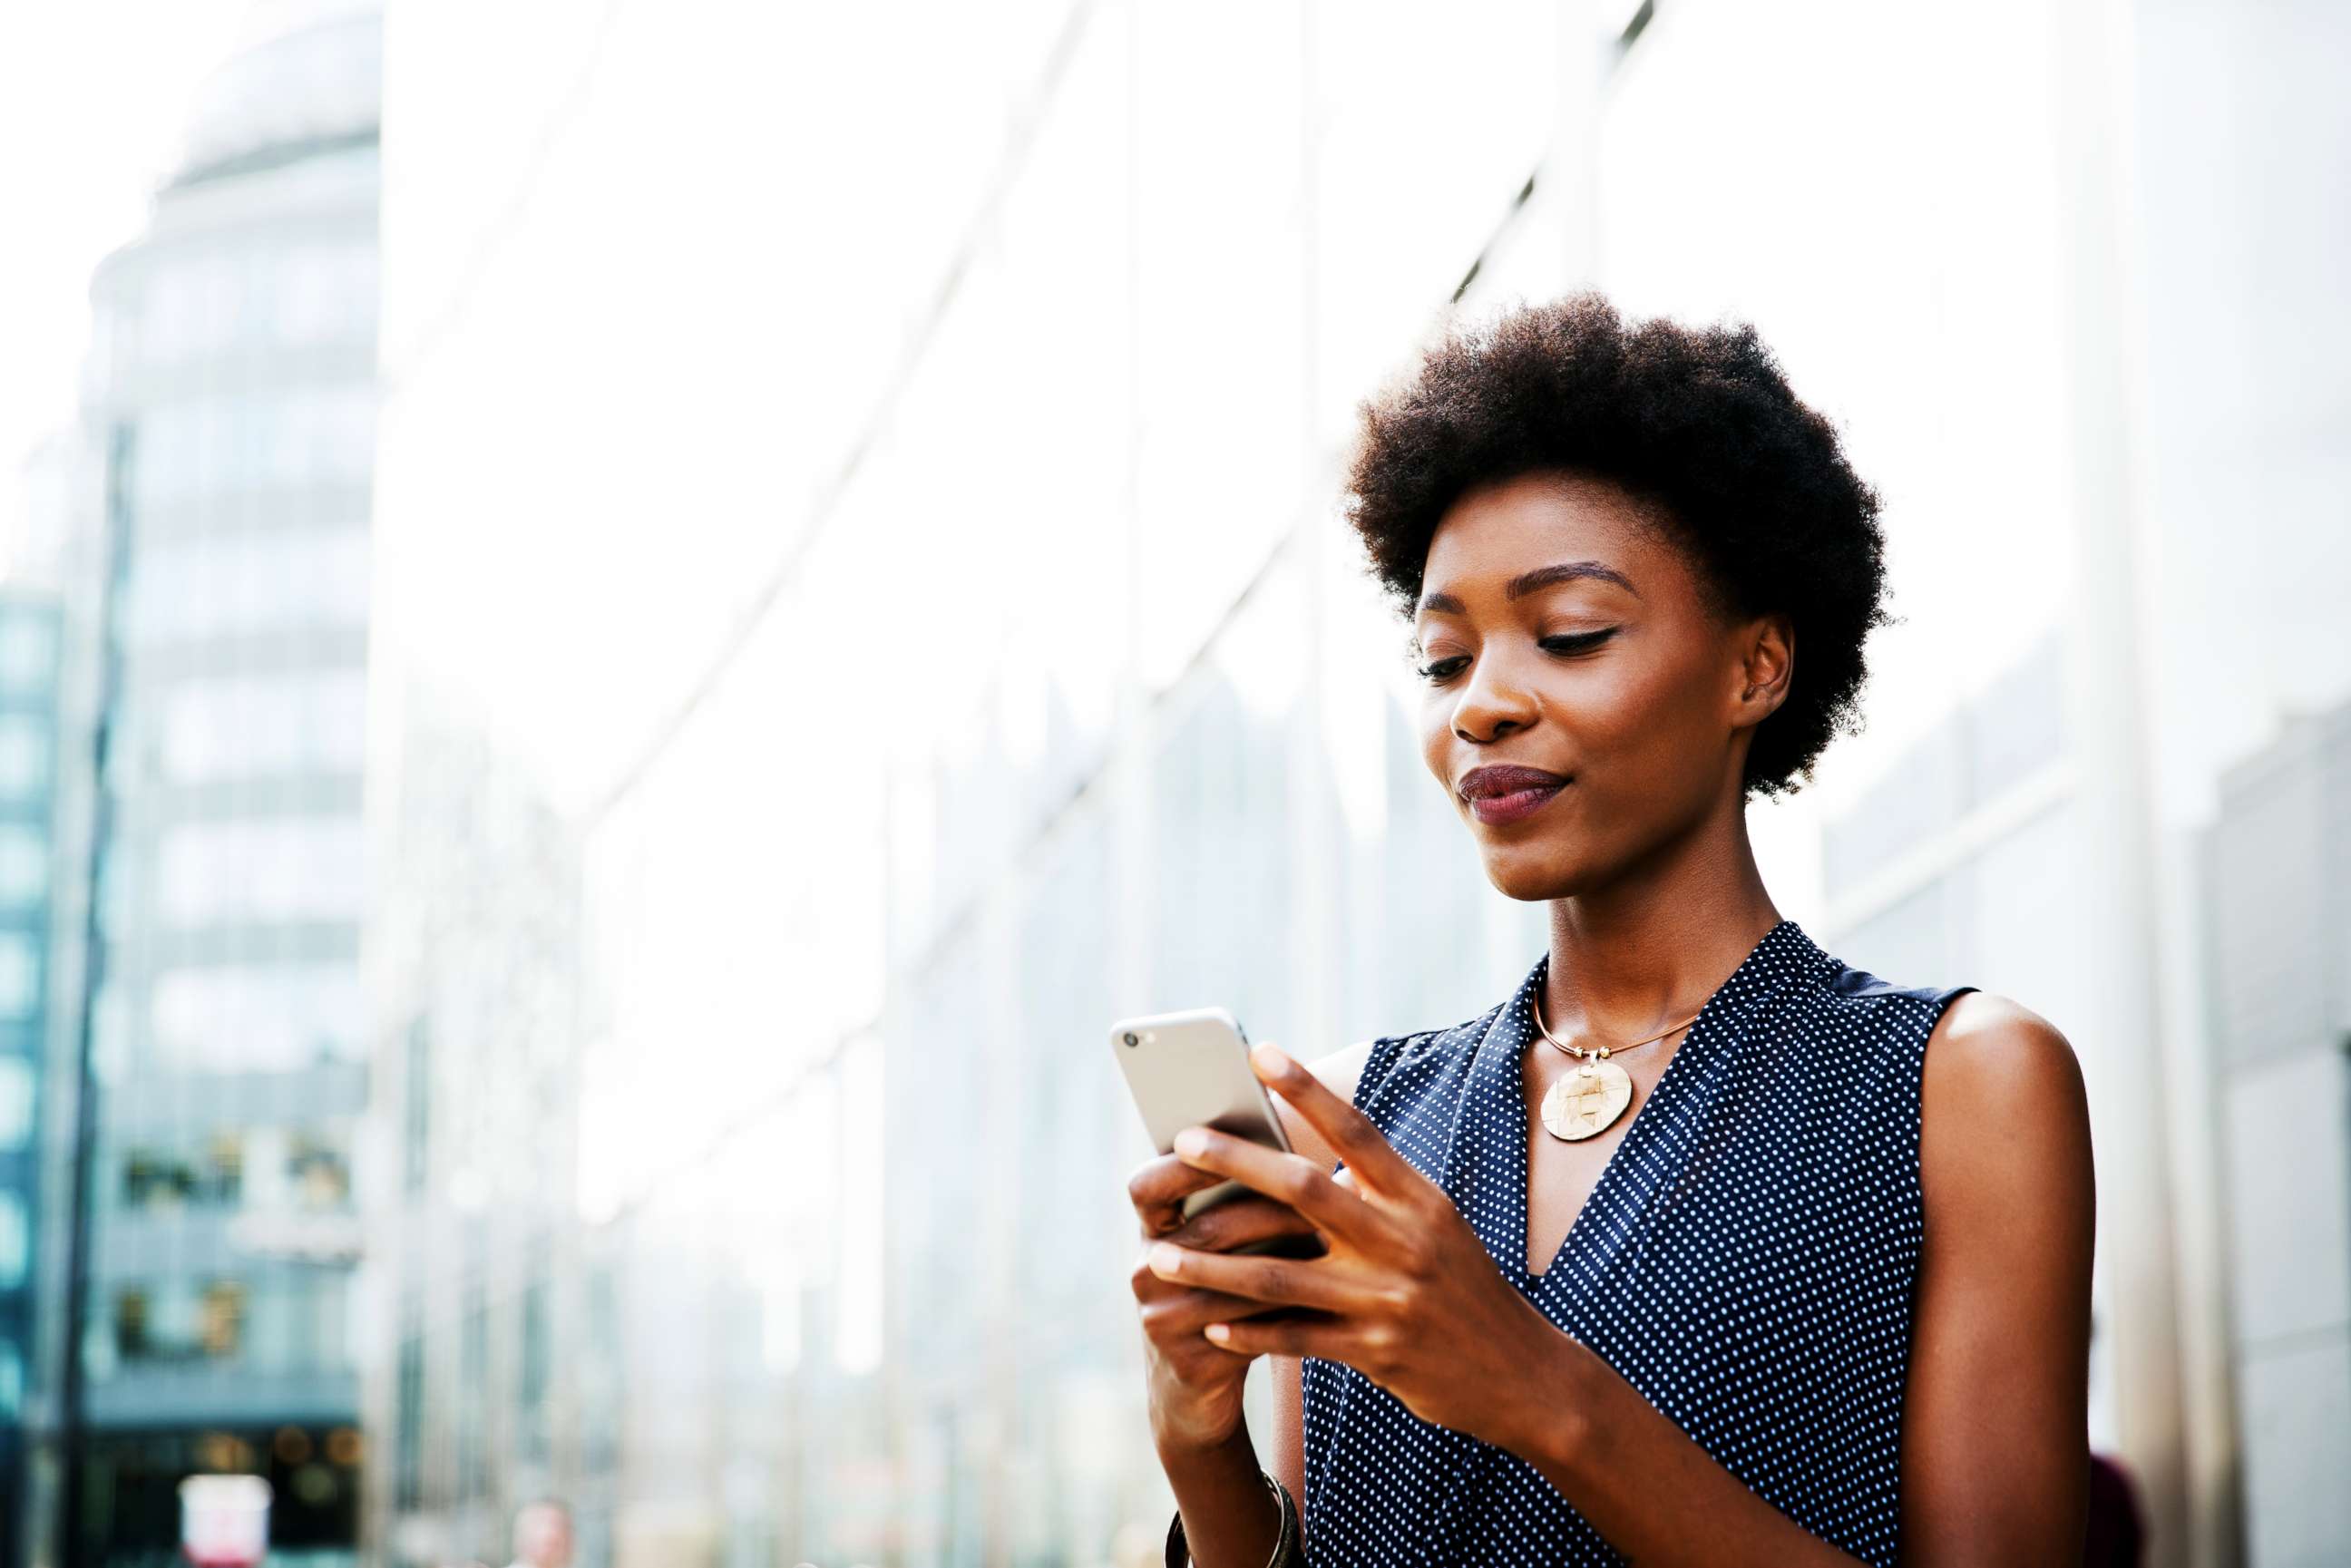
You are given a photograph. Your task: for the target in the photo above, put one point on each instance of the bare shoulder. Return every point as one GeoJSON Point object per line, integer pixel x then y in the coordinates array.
{"type": "Point", "coordinates": [1339, 1072]}
{"type": "Point", "coordinates": [1987, 1050]}
{"type": "Point", "coordinates": [2003, 1112]}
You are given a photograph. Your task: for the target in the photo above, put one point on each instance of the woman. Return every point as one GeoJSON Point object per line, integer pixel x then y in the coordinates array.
{"type": "Point", "coordinates": [1703, 1246]}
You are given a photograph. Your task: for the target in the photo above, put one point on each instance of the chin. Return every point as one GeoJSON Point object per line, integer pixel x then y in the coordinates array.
{"type": "Point", "coordinates": [1531, 875]}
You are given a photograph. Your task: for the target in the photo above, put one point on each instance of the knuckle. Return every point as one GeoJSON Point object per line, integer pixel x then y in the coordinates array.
{"type": "Point", "coordinates": [1139, 1181]}
{"type": "Point", "coordinates": [1298, 1180]}
{"type": "Point", "coordinates": [1417, 1254]}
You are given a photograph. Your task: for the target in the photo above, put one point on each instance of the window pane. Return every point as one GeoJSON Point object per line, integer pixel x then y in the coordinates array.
{"type": "Point", "coordinates": [15, 1102]}
{"type": "Point", "coordinates": [251, 1017]}
{"type": "Point", "coordinates": [20, 975]}
{"type": "Point", "coordinates": [296, 869]}
{"type": "Point", "coordinates": [24, 756]}
{"type": "Point", "coordinates": [236, 585]}
{"type": "Point", "coordinates": [14, 1240]}
{"type": "Point", "coordinates": [257, 725]}
{"type": "Point", "coordinates": [28, 653]}
{"type": "Point", "coordinates": [23, 865]}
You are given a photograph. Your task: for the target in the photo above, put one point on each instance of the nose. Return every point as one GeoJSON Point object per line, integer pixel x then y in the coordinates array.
{"type": "Point", "coordinates": [1493, 700]}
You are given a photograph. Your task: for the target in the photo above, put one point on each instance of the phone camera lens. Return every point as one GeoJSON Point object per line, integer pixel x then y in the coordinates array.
{"type": "Point", "coordinates": [1131, 1038]}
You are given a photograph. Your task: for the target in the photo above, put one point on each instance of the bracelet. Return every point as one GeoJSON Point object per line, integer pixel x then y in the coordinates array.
{"type": "Point", "coordinates": [1286, 1551]}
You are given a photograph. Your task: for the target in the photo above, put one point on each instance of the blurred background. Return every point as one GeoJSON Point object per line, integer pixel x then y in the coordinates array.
{"type": "Point", "coordinates": [626, 626]}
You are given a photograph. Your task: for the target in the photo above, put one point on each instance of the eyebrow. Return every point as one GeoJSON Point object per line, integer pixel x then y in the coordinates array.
{"type": "Point", "coordinates": [1527, 583]}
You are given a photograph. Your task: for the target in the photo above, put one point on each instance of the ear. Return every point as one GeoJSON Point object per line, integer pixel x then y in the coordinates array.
{"type": "Point", "coordinates": [1767, 662]}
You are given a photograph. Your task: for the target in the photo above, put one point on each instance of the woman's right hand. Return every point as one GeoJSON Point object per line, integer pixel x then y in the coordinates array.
{"type": "Point", "coordinates": [1196, 1386]}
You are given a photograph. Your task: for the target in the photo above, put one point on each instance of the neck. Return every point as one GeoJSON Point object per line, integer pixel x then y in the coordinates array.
{"type": "Point", "coordinates": [1646, 952]}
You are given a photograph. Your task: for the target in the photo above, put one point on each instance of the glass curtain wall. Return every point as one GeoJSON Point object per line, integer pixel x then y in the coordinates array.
{"type": "Point", "coordinates": [232, 390]}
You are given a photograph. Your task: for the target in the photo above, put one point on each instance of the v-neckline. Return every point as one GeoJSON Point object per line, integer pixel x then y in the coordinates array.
{"type": "Point", "coordinates": [1646, 1116]}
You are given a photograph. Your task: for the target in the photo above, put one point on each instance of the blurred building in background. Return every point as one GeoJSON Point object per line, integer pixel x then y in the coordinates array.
{"type": "Point", "coordinates": [2276, 858]}
{"type": "Point", "coordinates": [475, 1255]}
{"type": "Point", "coordinates": [53, 567]}
{"type": "Point", "coordinates": [30, 645]}
{"type": "Point", "coordinates": [218, 589]}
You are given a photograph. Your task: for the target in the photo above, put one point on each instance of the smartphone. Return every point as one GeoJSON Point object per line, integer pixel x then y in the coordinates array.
{"type": "Point", "coordinates": [1192, 1068]}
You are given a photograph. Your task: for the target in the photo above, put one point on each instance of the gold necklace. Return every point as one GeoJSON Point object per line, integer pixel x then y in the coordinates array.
{"type": "Point", "coordinates": [1590, 1098]}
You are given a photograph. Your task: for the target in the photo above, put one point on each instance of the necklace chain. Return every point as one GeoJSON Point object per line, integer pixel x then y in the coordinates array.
{"type": "Point", "coordinates": [1602, 1052]}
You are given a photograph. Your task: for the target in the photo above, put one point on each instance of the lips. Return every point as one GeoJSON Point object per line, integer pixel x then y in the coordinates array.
{"type": "Point", "coordinates": [1499, 794]}
{"type": "Point", "coordinates": [1484, 783]}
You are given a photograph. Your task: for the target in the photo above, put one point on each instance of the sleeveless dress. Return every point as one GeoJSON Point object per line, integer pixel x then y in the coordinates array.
{"type": "Point", "coordinates": [1747, 1261]}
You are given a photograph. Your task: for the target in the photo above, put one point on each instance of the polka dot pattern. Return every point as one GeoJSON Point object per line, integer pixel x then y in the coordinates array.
{"type": "Point", "coordinates": [1746, 1261]}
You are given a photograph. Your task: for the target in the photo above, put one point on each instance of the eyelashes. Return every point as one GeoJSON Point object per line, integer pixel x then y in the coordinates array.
{"type": "Point", "coordinates": [1444, 670]}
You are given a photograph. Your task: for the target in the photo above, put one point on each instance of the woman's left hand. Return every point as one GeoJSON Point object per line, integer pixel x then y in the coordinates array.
{"type": "Point", "coordinates": [1406, 1294]}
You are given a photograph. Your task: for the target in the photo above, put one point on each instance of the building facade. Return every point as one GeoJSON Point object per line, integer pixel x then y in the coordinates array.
{"type": "Point", "coordinates": [490, 1375]}
{"type": "Point", "coordinates": [2272, 866]}
{"type": "Point", "coordinates": [229, 410]}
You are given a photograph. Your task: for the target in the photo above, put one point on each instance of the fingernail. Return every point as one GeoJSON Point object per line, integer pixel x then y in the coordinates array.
{"type": "Point", "coordinates": [1221, 1332]}
{"type": "Point", "coordinates": [1192, 1141]}
{"type": "Point", "coordinates": [1164, 1259]}
{"type": "Point", "coordinates": [1272, 1058]}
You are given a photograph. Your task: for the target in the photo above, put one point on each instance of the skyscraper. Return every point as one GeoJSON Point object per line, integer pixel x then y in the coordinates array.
{"type": "Point", "coordinates": [231, 401]}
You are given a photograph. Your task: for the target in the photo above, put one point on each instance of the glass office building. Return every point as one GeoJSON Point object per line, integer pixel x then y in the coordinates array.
{"type": "Point", "coordinates": [230, 405]}
{"type": "Point", "coordinates": [2271, 867]}
{"type": "Point", "coordinates": [495, 1347]}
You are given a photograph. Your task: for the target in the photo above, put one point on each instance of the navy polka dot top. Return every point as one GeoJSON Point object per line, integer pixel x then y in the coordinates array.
{"type": "Point", "coordinates": [1746, 1261]}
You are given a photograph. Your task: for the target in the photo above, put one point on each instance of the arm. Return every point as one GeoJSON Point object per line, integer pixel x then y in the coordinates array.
{"type": "Point", "coordinates": [1229, 1516]}
{"type": "Point", "coordinates": [1995, 1447]}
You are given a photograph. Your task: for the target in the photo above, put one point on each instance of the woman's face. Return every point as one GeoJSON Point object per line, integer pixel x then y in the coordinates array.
{"type": "Point", "coordinates": [1559, 633]}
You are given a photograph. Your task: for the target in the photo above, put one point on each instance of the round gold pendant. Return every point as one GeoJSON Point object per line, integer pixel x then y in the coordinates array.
{"type": "Point", "coordinates": [1586, 1100]}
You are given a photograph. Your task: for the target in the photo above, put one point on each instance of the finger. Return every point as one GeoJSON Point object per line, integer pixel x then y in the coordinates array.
{"type": "Point", "coordinates": [1153, 1293]}
{"type": "Point", "coordinates": [1188, 1311]}
{"type": "Point", "coordinates": [1305, 1333]}
{"type": "Point", "coordinates": [1286, 1281]}
{"type": "Point", "coordinates": [1158, 1188]}
{"type": "Point", "coordinates": [1288, 1178]}
{"type": "Point", "coordinates": [1234, 1225]}
{"type": "Point", "coordinates": [1354, 1137]}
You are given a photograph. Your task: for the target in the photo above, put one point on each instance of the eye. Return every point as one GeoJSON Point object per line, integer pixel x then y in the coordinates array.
{"type": "Point", "coordinates": [1576, 643]}
{"type": "Point", "coordinates": [1444, 669]}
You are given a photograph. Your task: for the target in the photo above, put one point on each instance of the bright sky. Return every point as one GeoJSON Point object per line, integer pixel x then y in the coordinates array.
{"type": "Point", "coordinates": [92, 97]}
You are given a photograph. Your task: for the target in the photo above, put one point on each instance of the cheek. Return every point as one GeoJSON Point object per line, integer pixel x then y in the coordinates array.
{"type": "Point", "coordinates": [1620, 713]}
{"type": "Point", "coordinates": [1652, 734]}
